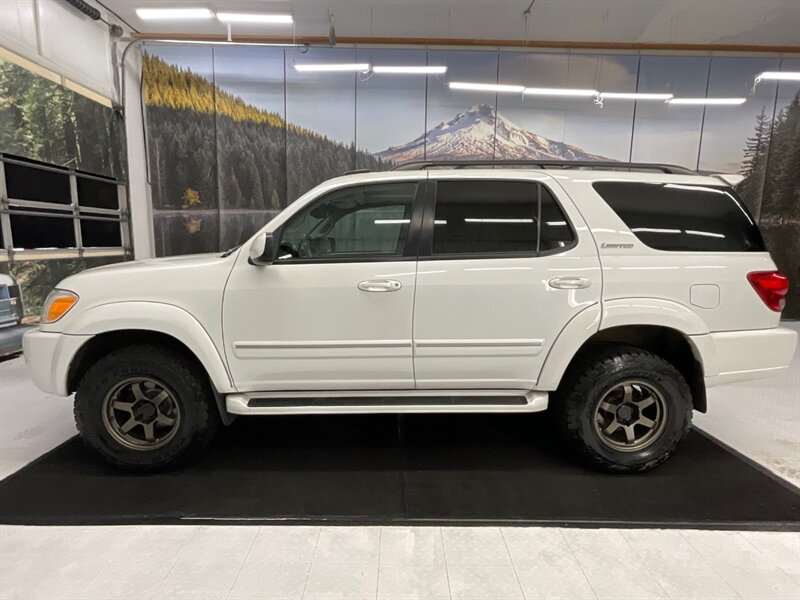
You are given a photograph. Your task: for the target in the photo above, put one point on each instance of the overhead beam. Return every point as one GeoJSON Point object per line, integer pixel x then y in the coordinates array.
{"type": "Point", "coordinates": [415, 41]}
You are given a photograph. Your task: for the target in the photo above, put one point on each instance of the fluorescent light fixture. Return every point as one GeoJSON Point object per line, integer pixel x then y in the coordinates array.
{"type": "Point", "coordinates": [434, 70]}
{"type": "Point", "coordinates": [578, 93]}
{"type": "Point", "coordinates": [227, 17]}
{"type": "Point", "coordinates": [633, 96]}
{"type": "Point", "coordinates": [333, 67]}
{"type": "Point", "coordinates": [392, 221]}
{"type": "Point", "coordinates": [486, 87]}
{"type": "Point", "coordinates": [498, 220]}
{"type": "Point", "coordinates": [708, 101]}
{"type": "Point", "coordinates": [173, 13]}
{"type": "Point", "coordinates": [779, 76]}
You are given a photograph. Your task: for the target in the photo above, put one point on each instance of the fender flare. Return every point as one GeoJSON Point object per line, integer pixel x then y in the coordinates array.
{"type": "Point", "coordinates": [162, 318]}
{"type": "Point", "coordinates": [618, 313]}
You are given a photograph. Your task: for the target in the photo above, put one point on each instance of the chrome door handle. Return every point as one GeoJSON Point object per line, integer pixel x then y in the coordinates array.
{"type": "Point", "coordinates": [380, 285]}
{"type": "Point", "coordinates": [569, 283]}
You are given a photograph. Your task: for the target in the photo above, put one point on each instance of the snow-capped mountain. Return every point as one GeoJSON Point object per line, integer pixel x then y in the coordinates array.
{"type": "Point", "coordinates": [481, 132]}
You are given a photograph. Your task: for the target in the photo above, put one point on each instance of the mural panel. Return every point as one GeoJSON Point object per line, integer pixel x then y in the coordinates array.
{"type": "Point", "coordinates": [279, 131]}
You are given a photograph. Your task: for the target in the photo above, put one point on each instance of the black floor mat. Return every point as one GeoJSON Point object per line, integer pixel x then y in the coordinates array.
{"type": "Point", "coordinates": [410, 469]}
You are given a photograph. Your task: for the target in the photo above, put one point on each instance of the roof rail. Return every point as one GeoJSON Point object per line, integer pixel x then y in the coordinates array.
{"type": "Point", "coordinates": [544, 164]}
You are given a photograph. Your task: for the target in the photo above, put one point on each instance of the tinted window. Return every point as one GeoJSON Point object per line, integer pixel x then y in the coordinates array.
{"type": "Point", "coordinates": [356, 221]}
{"type": "Point", "coordinates": [476, 217]}
{"type": "Point", "coordinates": [556, 231]}
{"type": "Point", "coordinates": [669, 216]}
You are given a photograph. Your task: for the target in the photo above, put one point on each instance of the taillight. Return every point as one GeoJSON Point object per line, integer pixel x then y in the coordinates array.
{"type": "Point", "coordinates": [771, 286]}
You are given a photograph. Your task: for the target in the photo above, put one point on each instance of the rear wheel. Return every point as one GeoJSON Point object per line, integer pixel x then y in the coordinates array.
{"type": "Point", "coordinates": [145, 407]}
{"type": "Point", "coordinates": [623, 409]}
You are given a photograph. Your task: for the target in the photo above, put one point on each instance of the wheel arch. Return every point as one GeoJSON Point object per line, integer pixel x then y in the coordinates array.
{"type": "Point", "coordinates": [662, 327]}
{"type": "Point", "coordinates": [112, 326]}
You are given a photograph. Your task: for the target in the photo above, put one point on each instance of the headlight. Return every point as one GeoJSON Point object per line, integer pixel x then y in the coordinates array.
{"type": "Point", "coordinates": [58, 303]}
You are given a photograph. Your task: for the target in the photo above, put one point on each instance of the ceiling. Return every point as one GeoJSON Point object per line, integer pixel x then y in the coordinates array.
{"type": "Point", "coordinates": [729, 22]}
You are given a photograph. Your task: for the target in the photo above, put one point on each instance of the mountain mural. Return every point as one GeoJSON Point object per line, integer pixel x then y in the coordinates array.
{"type": "Point", "coordinates": [481, 132]}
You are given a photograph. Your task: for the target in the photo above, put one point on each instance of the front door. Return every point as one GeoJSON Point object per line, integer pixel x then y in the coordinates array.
{"type": "Point", "coordinates": [335, 309]}
{"type": "Point", "coordinates": [501, 272]}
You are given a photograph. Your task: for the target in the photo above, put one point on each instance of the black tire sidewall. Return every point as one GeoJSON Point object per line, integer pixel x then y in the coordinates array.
{"type": "Point", "coordinates": [607, 374]}
{"type": "Point", "coordinates": [165, 366]}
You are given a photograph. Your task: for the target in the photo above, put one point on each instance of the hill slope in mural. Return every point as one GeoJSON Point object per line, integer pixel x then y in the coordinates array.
{"type": "Point", "coordinates": [481, 132]}
{"type": "Point", "coordinates": [209, 149]}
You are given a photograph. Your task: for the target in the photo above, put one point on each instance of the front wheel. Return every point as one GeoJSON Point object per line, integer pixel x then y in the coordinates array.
{"type": "Point", "coordinates": [623, 409]}
{"type": "Point", "coordinates": [145, 407]}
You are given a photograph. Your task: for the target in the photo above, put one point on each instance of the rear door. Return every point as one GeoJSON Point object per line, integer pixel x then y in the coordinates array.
{"type": "Point", "coordinates": [505, 263]}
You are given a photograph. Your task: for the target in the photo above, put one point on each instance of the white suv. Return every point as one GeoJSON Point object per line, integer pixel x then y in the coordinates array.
{"type": "Point", "coordinates": [614, 294]}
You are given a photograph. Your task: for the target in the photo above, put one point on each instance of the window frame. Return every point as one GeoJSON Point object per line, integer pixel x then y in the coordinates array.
{"type": "Point", "coordinates": [426, 234]}
{"type": "Point", "coordinates": [74, 211]}
{"type": "Point", "coordinates": [410, 249]}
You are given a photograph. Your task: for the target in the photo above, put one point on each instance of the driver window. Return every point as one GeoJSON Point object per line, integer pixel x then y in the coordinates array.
{"type": "Point", "coordinates": [355, 221]}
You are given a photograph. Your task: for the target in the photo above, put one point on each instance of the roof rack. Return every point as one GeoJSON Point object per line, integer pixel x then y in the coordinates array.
{"type": "Point", "coordinates": [544, 164]}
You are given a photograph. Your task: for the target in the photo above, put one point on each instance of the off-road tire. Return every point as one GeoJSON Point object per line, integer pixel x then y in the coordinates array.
{"type": "Point", "coordinates": [588, 380]}
{"type": "Point", "coordinates": [192, 389]}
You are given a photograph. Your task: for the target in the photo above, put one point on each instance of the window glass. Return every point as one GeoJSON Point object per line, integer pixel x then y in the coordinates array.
{"type": "Point", "coordinates": [30, 183]}
{"type": "Point", "coordinates": [668, 216]}
{"type": "Point", "coordinates": [93, 193]}
{"type": "Point", "coordinates": [355, 221]}
{"type": "Point", "coordinates": [96, 233]}
{"type": "Point", "coordinates": [29, 231]}
{"type": "Point", "coordinates": [484, 217]}
{"type": "Point", "coordinates": [555, 232]}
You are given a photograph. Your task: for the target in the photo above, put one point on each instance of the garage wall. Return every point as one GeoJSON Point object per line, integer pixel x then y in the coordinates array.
{"type": "Point", "coordinates": [236, 133]}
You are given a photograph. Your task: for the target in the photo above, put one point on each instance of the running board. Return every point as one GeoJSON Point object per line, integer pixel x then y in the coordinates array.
{"type": "Point", "coordinates": [404, 401]}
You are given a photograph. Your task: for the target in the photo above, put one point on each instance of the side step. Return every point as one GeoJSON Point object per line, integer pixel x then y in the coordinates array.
{"type": "Point", "coordinates": [404, 401]}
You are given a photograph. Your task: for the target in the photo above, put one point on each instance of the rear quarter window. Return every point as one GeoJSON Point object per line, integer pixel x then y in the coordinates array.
{"type": "Point", "coordinates": [683, 218]}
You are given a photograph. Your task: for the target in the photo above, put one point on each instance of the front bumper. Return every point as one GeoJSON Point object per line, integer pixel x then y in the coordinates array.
{"type": "Point", "coordinates": [49, 356]}
{"type": "Point", "coordinates": [732, 356]}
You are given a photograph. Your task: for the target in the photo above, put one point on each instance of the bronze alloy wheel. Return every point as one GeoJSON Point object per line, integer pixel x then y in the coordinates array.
{"type": "Point", "coordinates": [630, 416]}
{"type": "Point", "coordinates": [141, 413]}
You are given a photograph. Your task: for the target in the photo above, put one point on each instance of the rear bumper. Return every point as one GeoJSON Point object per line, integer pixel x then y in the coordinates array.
{"type": "Point", "coordinates": [49, 356]}
{"type": "Point", "coordinates": [732, 356]}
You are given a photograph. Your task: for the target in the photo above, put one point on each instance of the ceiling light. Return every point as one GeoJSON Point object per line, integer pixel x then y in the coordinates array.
{"type": "Point", "coordinates": [559, 92]}
{"type": "Point", "coordinates": [708, 101]}
{"type": "Point", "coordinates": [779, 76]}
{"type": "Point", "coordinates": [485, 87]}
{"type": "Point", "coordinates": [333, 67]}
{"type": "Point", "coordinates": [633, 96]}
{"type": "Point", "coordinates": [409, 70]}
{"type": "Point", "coordinates": [227, 17]}
{"type": "Point", "coordinates": [174, 13]}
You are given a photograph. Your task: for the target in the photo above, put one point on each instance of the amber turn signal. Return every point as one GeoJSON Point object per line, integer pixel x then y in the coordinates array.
{"type": "Point", "coordinates": [58, 303]}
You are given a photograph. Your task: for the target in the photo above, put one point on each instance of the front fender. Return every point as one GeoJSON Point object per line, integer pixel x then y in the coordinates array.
{"type": "Point", "coordinates": [160, 317]}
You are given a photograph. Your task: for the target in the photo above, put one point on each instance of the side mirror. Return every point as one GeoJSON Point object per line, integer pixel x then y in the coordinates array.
{"type": "Point", "coordinates": [262, 251]}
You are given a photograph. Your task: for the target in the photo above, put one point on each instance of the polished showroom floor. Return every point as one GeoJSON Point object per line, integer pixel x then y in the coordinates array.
{"type": "Point", "coordinates": [759, 419]}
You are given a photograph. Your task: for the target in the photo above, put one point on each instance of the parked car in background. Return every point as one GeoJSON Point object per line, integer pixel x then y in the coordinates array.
{"type": "Point", "coordinates": [612, 294]}
{"type": "Point", "coordinates": [11, 309]}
